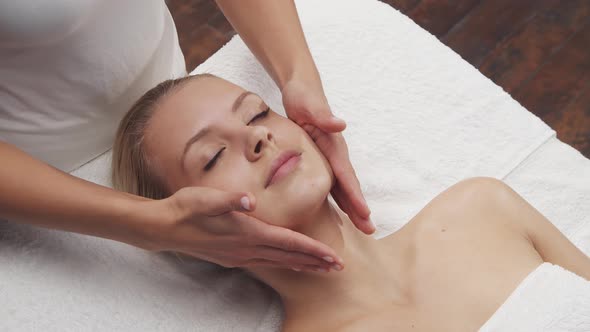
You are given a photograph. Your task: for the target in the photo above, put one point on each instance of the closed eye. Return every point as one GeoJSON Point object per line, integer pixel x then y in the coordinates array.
{"type": "Point", "coordinates": [260, 115]}
{"type": "Point", "coordinates": [213, 160]}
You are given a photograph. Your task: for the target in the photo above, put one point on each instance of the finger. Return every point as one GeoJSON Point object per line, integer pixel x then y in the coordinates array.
{"type": "Point", "coordinates": [290, 258]}
{"type": "Point", "coordinates": [324, 120]}
{"type": "Point", "coordinates": [286, 239]}
{"type": "Point", "coordinates": [256, 231]}
{"type": "Point", "coordinates": [340, 199]}
{"type": "Point", "coordinates": [259, 262]}
{"type": "Point", "coordinates": [346, 191]}
{"type": "Point", "coordinates": [363, 224]}
{"type": "Point", "coordinates": [219, 202]}
{"type": "Point", "coordinates": [329, 124]}
{"type": "Point", "coordinates": [311, 268]}
{"type": "Point", "coordinates": [349, 185]}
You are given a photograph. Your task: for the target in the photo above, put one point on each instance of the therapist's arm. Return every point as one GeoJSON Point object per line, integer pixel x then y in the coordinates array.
{"type": "Point", "coordinates": [32, 192]}
{"type": "Point", "coordinates": [200, 222]}
{"type": "Point", "coordinates": [272, 31]}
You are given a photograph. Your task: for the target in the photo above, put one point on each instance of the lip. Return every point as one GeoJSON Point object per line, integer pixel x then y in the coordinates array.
{"type": "Point", "coordinates": [276, 165]}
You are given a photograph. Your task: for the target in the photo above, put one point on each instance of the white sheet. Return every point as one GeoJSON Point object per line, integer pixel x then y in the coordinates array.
{"type": "Point", "coordinates": [549, 299]}
{"type": "Point", "coordinates": [419, 119]}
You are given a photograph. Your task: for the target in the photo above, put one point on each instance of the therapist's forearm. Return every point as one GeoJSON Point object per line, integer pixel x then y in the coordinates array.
{"type": "Point", "coordinates": [35, 193]}
{"type": "Point", "coordinates": [272, 31]}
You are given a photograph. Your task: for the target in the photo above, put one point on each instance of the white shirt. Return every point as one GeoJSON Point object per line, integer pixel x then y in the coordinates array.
{"type": "Point", "coordinates": [70, 69]}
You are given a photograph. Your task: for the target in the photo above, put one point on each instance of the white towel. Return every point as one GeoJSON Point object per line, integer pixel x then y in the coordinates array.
{"type": "Point", "coordinates": [549, 299]}
{"type": "Point", "coordinates": [419, 119]}
{"type": "Point", "coordinates": [555, 179]}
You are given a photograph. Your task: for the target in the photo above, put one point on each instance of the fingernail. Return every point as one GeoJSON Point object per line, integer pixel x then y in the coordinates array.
{"type": "Point", "coordinates": [296, 269]}
{"type": "Point", "coordinates": [245, 201]}
{"type": "Point", "coordinates": [320, 269]}
{"type": "Point", "coordinates": [337, 267]}
{"type": "Point", "coordinates": [328, 259]}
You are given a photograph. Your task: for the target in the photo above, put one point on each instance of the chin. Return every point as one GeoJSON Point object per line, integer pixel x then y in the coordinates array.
{"type": "Point", "coordinates": [302, 195]}
{"type": "Point", "coordinates": [291, 201]}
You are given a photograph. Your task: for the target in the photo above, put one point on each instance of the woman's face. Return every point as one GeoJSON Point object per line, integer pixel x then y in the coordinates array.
{"type": "Point", "coordinates": [212, 133]}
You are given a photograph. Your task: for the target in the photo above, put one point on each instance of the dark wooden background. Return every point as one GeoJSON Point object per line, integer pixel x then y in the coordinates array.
{"type": "Point", "coordinates": [537, 50]}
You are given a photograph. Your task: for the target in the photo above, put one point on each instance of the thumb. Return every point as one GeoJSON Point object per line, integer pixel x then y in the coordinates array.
{"type": "Point", "coordinates": [327, 122]}
{"type": "Point", "coordinates": [222, 202]}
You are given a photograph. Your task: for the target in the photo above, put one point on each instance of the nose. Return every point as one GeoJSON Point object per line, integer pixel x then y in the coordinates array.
{"type": "Point", "coordinates": [259, 139]}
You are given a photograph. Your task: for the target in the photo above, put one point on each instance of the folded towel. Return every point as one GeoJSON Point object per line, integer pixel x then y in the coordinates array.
{"type": "Point", "coordinates": [549, 299]}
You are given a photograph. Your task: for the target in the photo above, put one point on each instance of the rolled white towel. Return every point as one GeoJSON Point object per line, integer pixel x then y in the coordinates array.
{"type": "Point", "coordinates": [550, 298]}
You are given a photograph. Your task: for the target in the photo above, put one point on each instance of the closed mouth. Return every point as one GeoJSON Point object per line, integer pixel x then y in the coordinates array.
{"type": "Point", "coordinates": [278, 162]}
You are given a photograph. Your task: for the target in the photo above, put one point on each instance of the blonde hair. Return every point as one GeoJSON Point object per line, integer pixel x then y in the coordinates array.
{"type": "Point", "coordinates": [131, 169]}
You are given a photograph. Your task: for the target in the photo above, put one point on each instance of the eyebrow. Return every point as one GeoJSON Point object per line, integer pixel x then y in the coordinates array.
{"type": "Point", "coordinates": [239, 100]}
{"type": "Point", "coordinates": [203, 132]}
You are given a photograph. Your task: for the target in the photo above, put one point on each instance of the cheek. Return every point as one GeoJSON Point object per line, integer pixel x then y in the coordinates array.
{"type": "Point", "coordinates": [233, 174]}
{"type": "Point", "coordinates": [288, 131]}
{"type": "Point", "coordinates": [322, 164]}
{"type": "Point", "coordinates": [319, 164]}
{"type": "Point", "coordinates": [282, 126]}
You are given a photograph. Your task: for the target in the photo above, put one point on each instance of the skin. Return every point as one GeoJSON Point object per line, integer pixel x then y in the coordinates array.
{"type": "Point", "coordinates": [199, 222]}
{"type": "Point", "coordinates": [263, 25]}
{"type": "Point", "coordinates": [449, 268]}
{"type": "Point", "coordinates": [207, 102]}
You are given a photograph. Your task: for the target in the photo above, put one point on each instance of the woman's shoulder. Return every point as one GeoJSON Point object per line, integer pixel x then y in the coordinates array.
{"type": "Point", "coordinates": [468, 224]}
{"type": "Point", "coordinates": [475, 201]}
{"type": "Point", "coordinates": [469, 214]}
{"type": "Point", "coordinates": [461, 243]}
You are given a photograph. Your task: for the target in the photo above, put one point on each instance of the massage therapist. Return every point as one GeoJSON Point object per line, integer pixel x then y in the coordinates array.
{"type": "Point", "coordinates": [68, 72]}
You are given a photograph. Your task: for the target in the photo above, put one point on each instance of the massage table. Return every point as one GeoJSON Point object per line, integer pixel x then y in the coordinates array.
{"type": "Point", "coordinates": [419, 118]}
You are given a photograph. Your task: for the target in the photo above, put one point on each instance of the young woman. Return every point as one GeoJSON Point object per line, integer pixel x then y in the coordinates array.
{"type": "Point", "coordinates": [448, 269]}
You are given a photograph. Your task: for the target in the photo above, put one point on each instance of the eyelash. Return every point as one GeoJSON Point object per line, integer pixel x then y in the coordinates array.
{"type": "Point", "coordinates": [260, 115]}
{"type": "Point", "coordinates": [213, 160]}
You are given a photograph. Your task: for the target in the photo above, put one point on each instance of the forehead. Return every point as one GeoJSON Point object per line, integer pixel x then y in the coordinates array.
{"type": "Point", "coordinates": [195, 100]}
{"type": "Point", "coordinates": [201, 94]}
{"type": "Point", "coordinates": [186, 110]}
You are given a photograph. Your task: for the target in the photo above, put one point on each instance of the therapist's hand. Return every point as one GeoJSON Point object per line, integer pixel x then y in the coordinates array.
{"type": "Point", "coordinates": [306, 104]}
{"type": "Point", "coordinates": [211, 224]}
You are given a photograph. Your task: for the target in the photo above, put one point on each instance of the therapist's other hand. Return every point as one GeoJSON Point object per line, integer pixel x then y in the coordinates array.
{"type": "Point", "coordinates": [210, 224]}
{"type": "Point", "coordinates": [306, 104]}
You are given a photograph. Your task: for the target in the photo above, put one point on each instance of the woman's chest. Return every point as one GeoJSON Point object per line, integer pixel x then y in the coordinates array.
{"type": "Point", "coordinates": [446, 300]}
{"type": "Point", "coordinates": [456, 278]}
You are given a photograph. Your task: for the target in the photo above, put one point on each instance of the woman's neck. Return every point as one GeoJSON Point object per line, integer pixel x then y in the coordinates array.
{"type": "Point", "coordinates": [303, 293]}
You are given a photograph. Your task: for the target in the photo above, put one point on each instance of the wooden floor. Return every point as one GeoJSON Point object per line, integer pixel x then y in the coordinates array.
{"type": "Point", "coordinates": [537, 50]}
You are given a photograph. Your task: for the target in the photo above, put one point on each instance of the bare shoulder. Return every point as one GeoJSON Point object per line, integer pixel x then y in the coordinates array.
{"type": "Point", "coordinates": [465, 242]}
{"type": "Point", "coordinates": [472, 221]}
{"type": "Point", "coordinates": [492, 212]}
{"type": "Point", "coordinates": [477, 207]}
{"type": "Point", "coordinates": [473, 203]}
